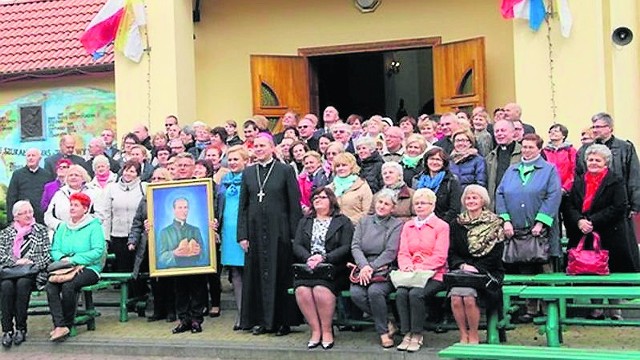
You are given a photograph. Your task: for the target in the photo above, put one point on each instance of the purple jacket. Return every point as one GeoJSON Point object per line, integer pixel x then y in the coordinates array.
{"type": "Point", "coordinates": [50, 189]}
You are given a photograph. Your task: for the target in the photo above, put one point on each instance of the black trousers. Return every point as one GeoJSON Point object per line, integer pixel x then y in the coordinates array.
{"type": "Point", "coordinates": [191, 298]}
{"type": "Point", "coordinates": [411, 304]}
{"type": "Point", "coordinates": [124, 258]}
{"type": "Point", "coordinates": [164, 296]}
{"type": "Point", "coordinates": [14, 299]}
{"type": "Point", "coordinates": [63, 298]}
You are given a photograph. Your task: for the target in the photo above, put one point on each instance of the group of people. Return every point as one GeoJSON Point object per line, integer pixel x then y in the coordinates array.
{"type": "Point", "coordinates": [294, 208]}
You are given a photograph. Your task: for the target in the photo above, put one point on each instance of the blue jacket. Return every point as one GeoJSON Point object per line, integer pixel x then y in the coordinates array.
{"type": "Point", "coordinates": [537, 200]}
{"type": "Point", "coordinates": [471, 170]}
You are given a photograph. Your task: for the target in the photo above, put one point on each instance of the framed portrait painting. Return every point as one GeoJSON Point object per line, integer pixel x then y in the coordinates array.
{"type": "Point", "coordinates": [181, 242]}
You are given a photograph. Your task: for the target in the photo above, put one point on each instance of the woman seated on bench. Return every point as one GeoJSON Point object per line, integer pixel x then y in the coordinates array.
{"type": "Point", "coordinates": [322, 238]}
{"type": "Point", "coordinates": [80, 241]}
{"type": "Point", "coordinates": [21, 244]}
{"type": "Point", "coordinates": [476, 246]}
{"type": "Point", "coordinates": [374, 249]}
{"type": "Point", "coordinates": [424, 243]}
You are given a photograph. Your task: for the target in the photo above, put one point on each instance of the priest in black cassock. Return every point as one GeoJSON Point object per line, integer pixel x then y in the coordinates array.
{"type": "Point", "coordinates": [269, 212]}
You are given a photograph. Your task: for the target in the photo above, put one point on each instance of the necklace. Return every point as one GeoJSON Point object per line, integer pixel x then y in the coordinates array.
{"type": "Point", "coordinates": [261, 193]}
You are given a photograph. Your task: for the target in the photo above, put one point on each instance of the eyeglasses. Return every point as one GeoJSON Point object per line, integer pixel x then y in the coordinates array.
{"type": "Point", "coordinates": [25, 212]}
{"type": "Point", "coordinates": [461, 140]}
{"type": "Point", "coordinates": [422, 203]}
{"type": "Point", "coordinates": [63, 167]}
{"type": "Point", "coordinates": [303, 126]}
{"type": "Point", "coordinates": [320, 197]}
{"type": "Point", "coordinates": [599, 126]}
{"type": "Point", "coordinates": [158, 178]}
{"type": "Point", "coordinates": [129, 143]}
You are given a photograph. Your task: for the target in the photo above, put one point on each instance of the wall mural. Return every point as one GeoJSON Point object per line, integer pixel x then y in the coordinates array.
{"type": "Point", "coordinates": [40, 118]}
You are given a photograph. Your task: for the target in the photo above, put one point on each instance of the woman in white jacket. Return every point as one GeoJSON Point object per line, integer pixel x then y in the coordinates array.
{"type": "Point", "coordinates": [118, 204]}
{"type": "Point", "coordinates": [58, 210]}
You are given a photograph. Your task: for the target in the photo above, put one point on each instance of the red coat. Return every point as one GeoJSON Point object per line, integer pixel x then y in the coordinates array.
{"type": "Point", "coordinates": [564, 159]}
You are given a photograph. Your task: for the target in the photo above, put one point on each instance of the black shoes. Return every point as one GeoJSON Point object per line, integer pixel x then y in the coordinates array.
{"type": "Point", "coordinates": [171, 318]}
{"type": "Point", "coordinates": [259, 330]}
{"type": "Point", "coordinates": [7, 339]}
{"type": "Point", "coordinates": [196, 327]}
{"type": "Point", "coordinates": [327, 346]}
{"type": "Point", "coordinates": [156, 317]}
{"type": "Point", "coordinates": [182, 327]}
{"type": "Point", "coordinates": [19, 337]}
{"type": "Point", "coordinates": [283, 330]}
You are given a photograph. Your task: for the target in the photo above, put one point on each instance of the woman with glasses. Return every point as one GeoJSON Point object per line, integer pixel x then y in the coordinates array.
{"type": "Point", "coordinates": [334, 149]}
{"type": "Point", "coordinates": [322, 240]}
{"type": "Point", "coordinates": [466, 163]}
{"type": "Point", "coordinates": [22, 243]}
{"type": "Point", "coordinates": [128, 142]}
{"type": "Point", "coordinates": [52, 187]}
{"type": "Point", "coordinates": [437, 178]}
{"type": "Point", "coordinates": [424, 244]}
{"type": "Point", "coordinates": [161, 288]}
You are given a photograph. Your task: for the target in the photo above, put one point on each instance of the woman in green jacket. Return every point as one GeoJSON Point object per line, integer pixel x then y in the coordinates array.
{"type": "Point", "coordinates": [80, 241]}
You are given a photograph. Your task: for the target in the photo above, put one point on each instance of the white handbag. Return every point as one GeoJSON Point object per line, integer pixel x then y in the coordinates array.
{"type": "Point", "coordinates": [416, 278]}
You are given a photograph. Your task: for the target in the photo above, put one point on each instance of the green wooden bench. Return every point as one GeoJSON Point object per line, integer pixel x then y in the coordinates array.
{"type": "Point", "coordinates": [514, 352]}
{"type": "Point", "coordinates": [86, 316]}
{"type": "Point", "coordinates": [122, 280]}
{"type": "Point", "coordinates": [553, 295]}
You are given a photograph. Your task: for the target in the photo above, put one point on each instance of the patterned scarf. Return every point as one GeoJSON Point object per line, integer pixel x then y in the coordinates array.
{"type": "Point", "coordinates": [483, 232]}
{"type": "Point", "coordinates": [20, 244]}
{"type": "Point", "coordinates": [460, 156]}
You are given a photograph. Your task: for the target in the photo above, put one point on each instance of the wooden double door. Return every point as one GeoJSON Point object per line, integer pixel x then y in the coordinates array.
{"type": "Point", "coordinates": [283, 83]}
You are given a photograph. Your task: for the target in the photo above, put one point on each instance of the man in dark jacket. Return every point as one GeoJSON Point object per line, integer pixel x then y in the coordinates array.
{"type": "Point", "coordinates": [98, 147]}
{"type": "Point", "coordinates": [27, 183]}
{"type": "Point", "coordinates": [67, 148]}
{"type": "Point", "coordinates": [624, 159]}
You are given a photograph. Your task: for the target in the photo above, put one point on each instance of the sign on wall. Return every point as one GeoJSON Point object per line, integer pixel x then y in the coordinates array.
{"type": "Point", "coordinates": [40, 118]}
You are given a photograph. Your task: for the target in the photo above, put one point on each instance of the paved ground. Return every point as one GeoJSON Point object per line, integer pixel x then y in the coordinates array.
{"type": "Point", "coordinates": [138, 339]}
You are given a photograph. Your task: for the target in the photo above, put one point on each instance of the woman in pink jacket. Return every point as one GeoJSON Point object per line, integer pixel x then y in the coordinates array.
{"type": "Point", "coordinates": [424, 244]}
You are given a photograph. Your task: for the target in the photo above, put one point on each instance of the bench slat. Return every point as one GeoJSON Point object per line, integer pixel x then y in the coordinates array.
{"type": "Point", "coordinates": [513, 352]}
{"type": "Point", "coordinates": [568, 292]}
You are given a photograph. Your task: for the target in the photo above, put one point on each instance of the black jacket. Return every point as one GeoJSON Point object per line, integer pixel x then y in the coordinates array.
{"type": "Point", "coordinates": [624, 163]}
{"type": "Point", "coordinates": [608, 214]}
{"type": "Point", "coordinates": [447, 197]}
{"type": "Point", "coordinates": [139, 237]}
{"type": "Point", "coordinates": [371, 171]}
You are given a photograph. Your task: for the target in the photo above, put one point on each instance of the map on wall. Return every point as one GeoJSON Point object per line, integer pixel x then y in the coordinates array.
{"type": "Point", "coordinates": [40, 118]}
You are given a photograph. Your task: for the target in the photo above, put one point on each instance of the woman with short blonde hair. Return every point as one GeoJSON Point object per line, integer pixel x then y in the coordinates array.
{"type": "Point", "coordinates": [354, 194]}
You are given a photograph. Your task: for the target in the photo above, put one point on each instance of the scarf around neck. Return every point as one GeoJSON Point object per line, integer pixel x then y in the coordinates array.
{"type": "Point", "coordinates": [342, 184]}
{"type": "Point", "coordinates": [21, 232]}
{"type": "Point", "coordinates": [592, 182]}
{"type": "Point", "coordinates": [460, 156]}
{"type": "Point", "coordinates": [483, 232]}
{"type": "Point", "coordinates": [433, 183]}
{"type": "Point", "coordinates": [232, 183]}
{"type": "Point", "coordinates": [410, 161]}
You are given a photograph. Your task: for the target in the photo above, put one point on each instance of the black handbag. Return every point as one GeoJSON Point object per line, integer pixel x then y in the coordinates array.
{"type": "Point", "coordinates": [19, 271]}
{"type": "Point", "coordinates": [523, 247]}
{"type": "Point", "coordinates": [478, 281]}
{"type": "Point", "coordinates": [322, 271]}
{"type": "Point", "coordinates": [57, 265]}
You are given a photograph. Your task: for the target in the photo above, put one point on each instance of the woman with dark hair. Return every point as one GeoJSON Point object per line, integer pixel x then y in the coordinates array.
{"type": "Point", "coordinates": [408, 125]}
{"type": "Point", "coordinates": [312, 178]}
{"type": "Point", "coordinates": [161, 288]}
{"type": "Point", "coordinates": [561, 154]}
{"type": "Point", "coordinates": [467, 164]}
{"type": "Point", "coordinates": [128, 141]}
{"type": "Point", "coordinates": [291, 132]}
{"type": "Point", "coordinates": [203, 169]}
{"type": "Point", "coordinates": [528, 199]}
{"type": "Point", "coordinates": [296, 154]}
{"type": "Point", "coordinates": [323, 143]}
{"type": "Point", "coordinates": [79, 242]}
{"type": "Point", "coordinates": [323, 239]}
{"type": "Point", "coordinates": [442, 182]}
{"type": "Point", "coordinates": [52, 187]}
{"type": "Point", "coordinates": [218, 160]}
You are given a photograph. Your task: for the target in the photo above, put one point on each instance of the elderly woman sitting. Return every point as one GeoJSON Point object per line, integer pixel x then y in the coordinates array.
{"type": "Point", "coordinates": [424, 243]}
{"type": "Point", "coordinates": [323, 237]}
{"type": "Point", "coordinates": [374, 249]}
{"type": "Point", "coordinates": [23, 243]}
{"type": "Point", "coordinates": [78, 242]}
{"type": "Point", "coordinates": [476, 246]}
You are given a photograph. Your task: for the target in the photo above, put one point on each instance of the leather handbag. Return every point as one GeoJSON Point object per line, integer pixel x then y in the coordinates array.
{"type": "Point", "coordinates": [380, 275]}
{"type": "Point", "coordinates": [478, 281]}
{"type": "Point", "coordinates": [410, 279]}
{"type": "Point", "coordinates": [322, 271]}
{"type": "Point", "coordinates": [592, 262]}
{"type": "Point", "coordinates": [18, 271]}
{"type": "Point", "coordinates": [65, 274]}
{"type": "Point", "coordinates": [523, 247]}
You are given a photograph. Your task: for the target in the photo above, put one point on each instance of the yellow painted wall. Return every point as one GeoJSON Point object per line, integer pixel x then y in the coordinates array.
{"type": "Point", "coordinates": [14, 90]}
{"type": "Point", "coordinates": [231, 30]}
{"type": "Point", "coordinates": [591, 74]}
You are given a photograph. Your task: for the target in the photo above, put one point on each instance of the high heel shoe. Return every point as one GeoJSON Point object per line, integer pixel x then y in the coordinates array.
{"type": "Point", "coordinates": [313, 344]}
{"type": "Point", "coordinates": [328, 345]}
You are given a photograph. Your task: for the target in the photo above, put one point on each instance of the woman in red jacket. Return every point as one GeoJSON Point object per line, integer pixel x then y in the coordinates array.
{"type": "Point", "coordinates": [561, 154]}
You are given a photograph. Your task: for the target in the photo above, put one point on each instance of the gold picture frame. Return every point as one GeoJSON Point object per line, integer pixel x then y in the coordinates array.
{"type": "Point", "coordinates": [181, 240]}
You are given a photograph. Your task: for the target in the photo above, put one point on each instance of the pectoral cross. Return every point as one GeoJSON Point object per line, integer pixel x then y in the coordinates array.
{"type": "Point", "coordinates": [261, 194]}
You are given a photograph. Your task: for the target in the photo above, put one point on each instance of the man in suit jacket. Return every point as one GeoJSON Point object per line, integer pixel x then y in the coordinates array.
{"type": "Point", "coordinates": [67, 149]}
{"type": "Point", "coordinates": [27, 183]}
{"type": "Point", "coordinates": [98, 147]}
